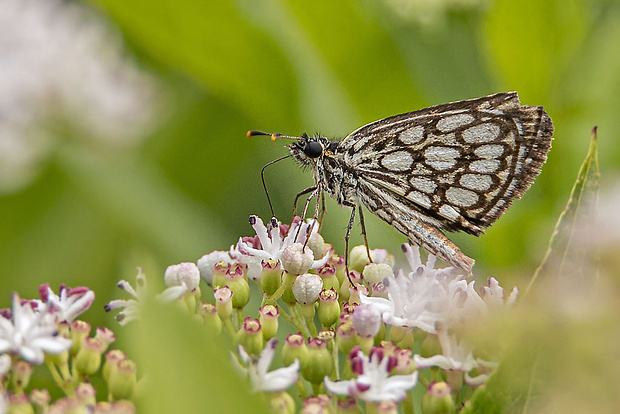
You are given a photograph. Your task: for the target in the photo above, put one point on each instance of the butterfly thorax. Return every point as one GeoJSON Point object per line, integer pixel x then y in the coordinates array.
{"type": "Point", "coordinates": [326, 159]}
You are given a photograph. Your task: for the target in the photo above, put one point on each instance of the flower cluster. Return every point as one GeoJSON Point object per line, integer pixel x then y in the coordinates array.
{"type": "Point", "coordinates": [46, 330]}
{"type": "Point", "coordinates": [355, 333]}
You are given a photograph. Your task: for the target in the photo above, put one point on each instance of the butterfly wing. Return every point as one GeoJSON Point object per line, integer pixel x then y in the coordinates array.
{"type": "Point", "coordinates": [457, 166]}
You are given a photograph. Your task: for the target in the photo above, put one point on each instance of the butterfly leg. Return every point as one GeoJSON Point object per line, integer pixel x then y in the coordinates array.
{"type": "Point", "coordinates": [364, 234]}
{"type": "Point", "coordinates": [304, 192]}
{"type": "Point", "coordinates": [314, 193]}
{"type": "Point", "coordinates": [346, 243]}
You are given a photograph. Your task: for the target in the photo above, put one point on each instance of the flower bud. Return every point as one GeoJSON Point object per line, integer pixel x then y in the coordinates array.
{"type": "Point", "coordinates": [282, 403]}
{"type": "Point", "coordinates": [338, 262]}
{"type": "Point", "coordinates": [348, 405]}
{"type": "Point", "coordinates": [317, 245]}
{"type": "Point", "coordinates": [223, 302]}
{"type": "Point", "coordinates": [40, 398]}
{"type": "Point", "coordinates": [294, 348]}
{"type": "Point", "coordinates": [239, 286]}
{"type": "Point", "coordinates": [328, 275]}
{"type": "Point", "coordinates": [346, 338]}
{"type": "Point", "coordinates": [22, 371]}
{"type": "Point", "coordinates": [111, 362]}
{"type": "Point", "coordinates": [438, 400]}
{"type": "Point", "coordinates": [207, 263]}
{"type": "Point", "coordinates": [79, 331]}
{"type": "Point", "coordinates": [182, 274]}
{"type": "Point", "coordinates": [329, 308]}
{"type": "Point", "coordinates": [319, 362]}
{"type": "Point", "coordinates": [210, 317]}
{"type": "Point", "coordinates": [269, 321]}
{"type": "Point", "coordinates": [366, 320]}
{"type": "Point", "coordinates": [88, 358]}
{"type": "Point", "coordinates": [270, 279]}
{"type": "Point", "coordinates": [123, 380]}
{"type": "Point", "coordinates": [296, 259]}
{"type": "Point", "coordinates": [86, 394]}
{"type": "Point", "coordinates": [219, 274]}
{"type": "Point", "coordinates": [307, 287]}
{"type": "Point", "coordinates": [358, 258]}
{"type": "Point", "coordinates": [105, 336]}
{"type": "Point", "coordinates": [376, 272]}
{"type": "Point", "coordinates": [250, 336]}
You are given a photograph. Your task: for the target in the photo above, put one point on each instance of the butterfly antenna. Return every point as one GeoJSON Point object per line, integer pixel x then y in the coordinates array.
{"type": "Point", "coordinates": [273, 136]}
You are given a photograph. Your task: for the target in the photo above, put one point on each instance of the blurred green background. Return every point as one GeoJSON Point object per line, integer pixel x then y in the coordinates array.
{"type": "Point", "coordinates": [93, 212]}
{"type": "Point", "coordinates": [90, 211]}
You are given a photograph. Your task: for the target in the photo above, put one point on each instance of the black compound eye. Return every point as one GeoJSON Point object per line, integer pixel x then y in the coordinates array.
{"type": "Point", "coordinates": [313, 149]}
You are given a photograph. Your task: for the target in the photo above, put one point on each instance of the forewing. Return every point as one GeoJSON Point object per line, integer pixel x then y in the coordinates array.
{"type": "Point", "coordinates": [461, 164]}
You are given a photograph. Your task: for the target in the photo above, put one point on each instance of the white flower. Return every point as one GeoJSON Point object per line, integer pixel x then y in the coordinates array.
{"type": "Point", "coordinates": [456, 356]}
{"type": "Point", "coordinates": [277, 380]}
{"type": "Point", "coordinates": [426, 296]}
{"type": "Point", "coordinates": [5, 364]}
{"type": "Point", "coordinates": [180, 279]}
{"type": "Point", "coordinates": [69, 303]}
{"type": "Point", "coordinates": [60, 59]}
{"type": "Point", "coordinates": [131, 307]}
{"type": "Point", "coordinates": [374, 384]}
{"type": "Point", "coordinates": [272, 244]}
{"type": "Point", "coordinates": [206, 263]}
{"type": "Point", "coordinates": [31, 333]}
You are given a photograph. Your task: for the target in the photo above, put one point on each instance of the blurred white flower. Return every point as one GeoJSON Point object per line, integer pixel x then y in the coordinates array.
{"type": "Point", "coordinates": [374, 383]}
{"type": "Point", "coordinates": [59, 59]}
{"type": "Point", "coordinates": [276, 380]}
{"type": "Point", "coordinates": [31, 333]}
{"type": "Point", "coordinates": [69, 303]}
{"type": "Point", "coordinates": [131, 307]}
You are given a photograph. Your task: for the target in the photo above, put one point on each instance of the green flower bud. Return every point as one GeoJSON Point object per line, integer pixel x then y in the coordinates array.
{"type": "Point", "coordinates": [219, 274]}
{"type": "Point", "coordinates": [358, 258]}
{"type": "Point", "coordinates": [338, 262]}
{"type": "Point", "coordinates": [86, 394]}
{"type": "Point", "coordinates": [328, 275]}
{"type": "Point", "coordinates": [282, 403]}
{"type": "Point", "coordinates": [79, 331]}
{"type": "Point", "coordinates": [250, 336]}
{"type": "Point", "coordinates": [319, 362]}
{"type": "Point", "coordinates": [376, 272]}
{"type": "Point", "coordinates": [111, 362]}
{"type": "Point", "coordinates": [329, 308]}
{"type": "Point", "coordinates": [105, 336]}
{"type": "Point", "coordinates": [223, 302]}
{"type": "Point", "coordinates": [438, 400]}
{"type": "Point", "coordinates": [123, 380]}
{"type": "Point", "coordinates": [238, 284]}
{"type": "Point", "coordinates": [346, 338]}
{"type": "Point", "coordinates": [348, 405]}
{"type": "Point", "coordinates": [88, 358]}
{"type": "Point", "coordinates": [270, 279]}
{"type": "Point", "coordinates": [269, 321]}
{"type": "Point", "coordinates": [294, 348]}
{"type": "Point", "coordinates": [22, 371]}
{"type": "Point", "coordinates": [210, 317]}
{"type": "Point", "coordinates": [40, 398]}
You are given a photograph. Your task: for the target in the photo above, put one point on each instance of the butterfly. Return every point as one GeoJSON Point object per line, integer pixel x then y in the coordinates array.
{"type": "Point", "coordinates": [451, 167]}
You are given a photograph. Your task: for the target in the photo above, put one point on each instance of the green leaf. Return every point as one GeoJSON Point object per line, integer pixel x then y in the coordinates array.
{"type": "Point", "coordinates": [187, 369]}
{"type": "Point", "coordinates": [564, 257]}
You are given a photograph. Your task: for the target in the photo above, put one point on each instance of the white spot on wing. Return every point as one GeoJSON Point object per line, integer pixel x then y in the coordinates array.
{"type": "Point", "coordinates": [397, 161]}
{"type": "Point", "coordinates": [489, 151]}
{"type": "Point", "coordinates": [449, 212]}
{"type": "Point", "coordinates": [486, 132]}
{"type": "Point", "coordinates": [412, 135]}
{"type": "Point", "coordinates": [484, 166]}
{"type": "Point", "coordinates": [423, 184]}
{"type": "Point", "coordinates": [450, 123]}
{"type": "Point", "coordinates": [478, 182]}
{"type": "Point", "coordinates": [441, 158]}
{"type": "Point", "coordinates": [419, 198]}
{"type": "Point", "coordinates": [461, 197]}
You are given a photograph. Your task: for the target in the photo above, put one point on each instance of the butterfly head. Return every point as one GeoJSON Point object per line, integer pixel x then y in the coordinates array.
{"type": "Point", "coordinates": [306, 149]}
